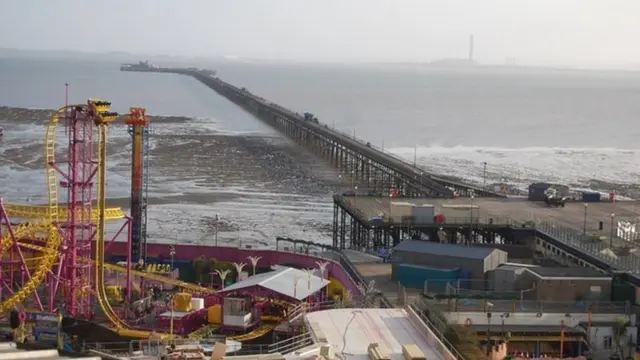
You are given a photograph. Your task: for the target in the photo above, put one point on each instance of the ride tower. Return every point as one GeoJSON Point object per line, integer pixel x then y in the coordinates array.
{"type": "Point", "coordinates": [138, 128]}
{"type": "Point", "coordinates": [78, 231]}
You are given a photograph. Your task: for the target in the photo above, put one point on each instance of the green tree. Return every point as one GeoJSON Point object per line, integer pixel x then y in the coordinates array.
{"type": "Point", "coordinates": [199, 267]}
{"type": "Point", "coordinates": [620, 336]}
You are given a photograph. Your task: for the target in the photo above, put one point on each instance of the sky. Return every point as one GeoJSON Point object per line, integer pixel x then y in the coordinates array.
{"type": "Point", "coordinates": [600, 33]}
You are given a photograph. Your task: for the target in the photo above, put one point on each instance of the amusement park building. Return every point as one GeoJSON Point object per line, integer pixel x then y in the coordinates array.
{"type": "Point", "coordinates": [284, 282]}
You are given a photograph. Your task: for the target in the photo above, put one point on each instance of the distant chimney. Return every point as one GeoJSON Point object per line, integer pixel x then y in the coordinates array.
{"type": "Point", "coordinates": [471, 47]}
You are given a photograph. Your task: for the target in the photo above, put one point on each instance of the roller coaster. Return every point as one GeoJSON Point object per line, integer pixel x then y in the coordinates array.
{"type": "Point", "coordinates": [53, 247]}
{"type": "Point", "coordinates": [48, 263]}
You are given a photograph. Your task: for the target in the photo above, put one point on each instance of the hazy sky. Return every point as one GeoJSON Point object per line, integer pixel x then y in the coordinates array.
{"type": "Point", "coordinates": [579, 32]}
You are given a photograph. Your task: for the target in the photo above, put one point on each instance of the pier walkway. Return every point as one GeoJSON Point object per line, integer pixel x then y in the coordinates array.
{"type": "Point", "coordinates": [372, 169]}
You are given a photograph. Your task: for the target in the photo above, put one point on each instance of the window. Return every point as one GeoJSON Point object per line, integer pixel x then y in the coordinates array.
{"type": "Point", "coordinates": [607, 343]}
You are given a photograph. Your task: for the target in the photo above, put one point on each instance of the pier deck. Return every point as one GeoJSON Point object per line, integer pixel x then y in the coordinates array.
{"type": "Point", "coordinates": [510, 211]}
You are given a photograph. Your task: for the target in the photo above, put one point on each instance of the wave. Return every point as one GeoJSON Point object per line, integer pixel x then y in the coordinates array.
{"type": "Point", "coordinates": [484, 149]}
{"type": "Point", "coordinates": [573, 166]}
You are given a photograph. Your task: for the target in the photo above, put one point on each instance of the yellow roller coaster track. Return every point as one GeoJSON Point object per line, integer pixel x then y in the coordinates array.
{"type": "Point", "coordinates": [150, 276]}
{"type": "Point", "coordinates": [101, 294]}
{"type": "Point", "coordinates": [261, 331]}
{"type": "Point", "coordinates": [49, 258]}
{"type": "Point", "coordinates": [50, 252]}
{"type": "Point", "coordinates": [42, 212]}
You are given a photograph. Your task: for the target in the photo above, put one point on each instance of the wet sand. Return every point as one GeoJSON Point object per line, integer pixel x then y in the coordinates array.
{"type": "Point", "coordinates": [261, 185]}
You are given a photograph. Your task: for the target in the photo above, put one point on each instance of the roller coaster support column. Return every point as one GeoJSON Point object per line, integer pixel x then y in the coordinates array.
{"type": "Point", "coordinates": [137, 122]}
{"type": "Point", "coordinates": [78, 231]}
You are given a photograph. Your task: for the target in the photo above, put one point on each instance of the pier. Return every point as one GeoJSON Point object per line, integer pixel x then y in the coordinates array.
{"type": "Point", "coordinates": [364, 218]}
{"type": "Point", "coordinates": [376, 171]}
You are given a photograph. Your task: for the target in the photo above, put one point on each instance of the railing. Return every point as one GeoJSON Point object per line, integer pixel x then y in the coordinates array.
{"type": "Point", "coordinates": [162, 347]}
{"type": "Point", "coordinates": [437, 331]}
{"type": "Point", "coordinates": [303, 308]}
{"type": "Point", "coordinates": [599, 249]}
{"type": "Point", "coordinates": [291, 344]}
{"type": "Point", "coordinates": [531, 306]}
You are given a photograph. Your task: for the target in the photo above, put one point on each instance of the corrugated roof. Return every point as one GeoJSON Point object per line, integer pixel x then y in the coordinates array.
{"type": "Point", "coordinates": [287, 281]}
{"type": "Point", "coordinates": [453, 250]}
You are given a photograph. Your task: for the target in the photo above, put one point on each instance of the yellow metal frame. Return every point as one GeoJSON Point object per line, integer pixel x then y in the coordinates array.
{"type": "Point", "coordinates": [42, 212]}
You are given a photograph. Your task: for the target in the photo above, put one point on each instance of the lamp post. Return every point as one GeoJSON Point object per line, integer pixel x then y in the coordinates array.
{"type": "Point", "coordinates": [502, 317]}
{"type": "Point", "coordinates": [239, 267]}
{"type": "Point", "coordinates": [223, 275]}
{"type": "Point", "coordinates": [296, 280]}
{"type": "Point", "coordinates": [216, 228]}
{"type": "Point", "coordinates": [171, 303]}
{"type": "Point", "coordinates": [322, 265]}
{"type": "Point", "coordinates": [254, 262]}
{"type": "Point", "coordinates": [484, 175]}
{"type": "Point", "coordinates": [471, 218]}
{"type": "Point", "coordinates": [211, 274]}
{"type": "Point", "coordinates": [584, 225]}
{"type": "Point", "coordinates": [489, 328]}
{"type": "Point", "coordinates": [611, 233]}
{"type": "Point", "coordinates": [390, 214]}
{"type": "Point", "coordinates": [172, 253]}
{"type": "Point", "coordinates": [309, 273]}
{"type": "Point", "coordinates": [355, 197]}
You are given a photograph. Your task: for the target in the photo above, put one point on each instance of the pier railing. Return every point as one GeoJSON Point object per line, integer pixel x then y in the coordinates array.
{"type": "Point", "coordinates": [531, 306]}
{"type": "Point", "coordinates": [600, 247]}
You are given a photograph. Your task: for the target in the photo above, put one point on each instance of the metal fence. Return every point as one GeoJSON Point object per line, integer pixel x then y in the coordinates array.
{"type": "Point", "coordinates": [163, 347]}
{"type": "Point", "coordinates": [531, 306]}
{"type": "Point", "coordinates": [601, 249]}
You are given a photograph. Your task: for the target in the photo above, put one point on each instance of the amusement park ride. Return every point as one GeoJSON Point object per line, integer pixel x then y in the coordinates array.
{"type": "Point", "coordinates": [54, 248]}
{"type": "Point", "coordinates": [53, 260]}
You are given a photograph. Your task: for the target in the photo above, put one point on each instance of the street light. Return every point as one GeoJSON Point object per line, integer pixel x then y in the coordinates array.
{"type": "Point", "coordinates": [172, 253]}
{"type": "Point", "coordinates": [611, 234]}
{"type": "Point", "coordinates": [484, 175]}
{"type": "Point", "coordinates": [254, 262]}
{"type": "Point", "coordinates": [223, 275]}
{"type": "Point", "coordinates": [471, 218]}
{"type": "Point", "coordinates": [296, 280]}
{"type": "Point", "coordinates": [322, 265]}
{"type": "Point", "coordinates": [584, 225]}
{"type": "Point", "coordinates": [216, 229]}
{"type": "Point", "coordinates": [239, 267]}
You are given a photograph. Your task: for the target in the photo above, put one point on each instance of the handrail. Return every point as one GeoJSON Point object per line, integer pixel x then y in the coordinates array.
{"type": "Point", "coordinates": [291, 344]}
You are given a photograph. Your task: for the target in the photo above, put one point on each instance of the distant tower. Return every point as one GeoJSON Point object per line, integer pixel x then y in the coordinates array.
{"type": "Point", "coordinates": [471, 47]}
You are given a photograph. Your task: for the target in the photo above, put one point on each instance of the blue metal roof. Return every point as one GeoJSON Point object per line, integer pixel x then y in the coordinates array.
{"type": "Point", "coordinates": [453, 250]}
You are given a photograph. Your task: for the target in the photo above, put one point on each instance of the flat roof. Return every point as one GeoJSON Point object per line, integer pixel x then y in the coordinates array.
{"type": "Point", "coordinates": [453, 250]}
{"type": "Point", "coordinates": [288, 281]}
{"type": "Point", "coordinates": [350, 331]}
